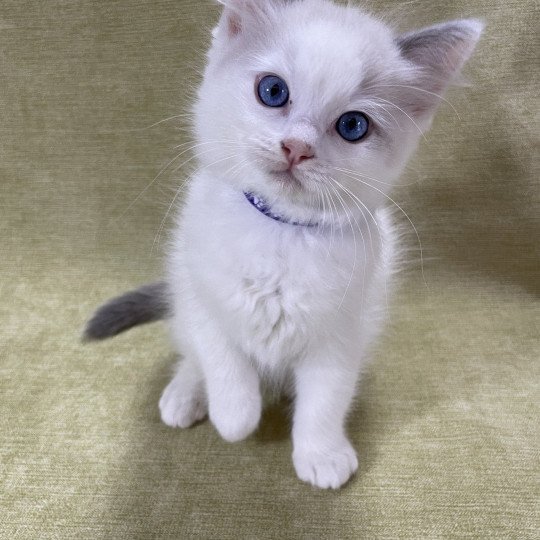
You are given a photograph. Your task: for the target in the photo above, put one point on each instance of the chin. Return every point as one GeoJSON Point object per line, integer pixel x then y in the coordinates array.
{"type": "Point", "coordinates": [287, 179]}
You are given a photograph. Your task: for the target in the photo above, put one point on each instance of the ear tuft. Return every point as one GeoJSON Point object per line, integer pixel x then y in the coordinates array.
{"type": "Point", "coordinates": [234, 24]}
{"type": "Point", "coordinates": [231, 18]}
{"type": "Point", "coordinates": [244, 17]}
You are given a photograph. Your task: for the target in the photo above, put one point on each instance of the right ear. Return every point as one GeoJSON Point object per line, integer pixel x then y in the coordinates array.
{"type": "Point", "coordinates": [241, 17]}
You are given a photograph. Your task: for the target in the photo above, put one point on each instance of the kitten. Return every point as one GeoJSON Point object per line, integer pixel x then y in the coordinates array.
{"type": "Point", "coordinates": [279, 262]}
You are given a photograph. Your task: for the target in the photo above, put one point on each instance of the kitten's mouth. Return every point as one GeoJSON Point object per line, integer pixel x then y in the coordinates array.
{"type": "Point", "coordinates": [287, 177]}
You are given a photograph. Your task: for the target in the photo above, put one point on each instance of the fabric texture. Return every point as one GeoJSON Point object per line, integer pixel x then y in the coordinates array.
{"type": "Point", "coordinates": [446, 423]}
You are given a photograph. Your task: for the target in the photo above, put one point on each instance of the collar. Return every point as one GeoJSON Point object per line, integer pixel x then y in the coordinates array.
{"type": "Point", "coordinates": [264, 208]}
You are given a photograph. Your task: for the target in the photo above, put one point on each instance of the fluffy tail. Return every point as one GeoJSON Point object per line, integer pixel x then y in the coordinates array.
{"type": "Point", "coordinates": [144, 305]}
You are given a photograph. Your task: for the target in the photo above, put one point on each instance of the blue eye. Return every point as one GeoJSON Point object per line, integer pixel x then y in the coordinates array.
{"type": "Point", "coordinates": [353, 126]}
{"type": "Point", "coordinates": [273, 91]}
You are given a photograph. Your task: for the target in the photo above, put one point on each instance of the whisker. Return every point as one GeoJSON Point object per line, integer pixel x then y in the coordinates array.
{"type": "Point", "coordinates": [407, 115]}
{"type": "Point", "coordinates": [332, 221]}
{"type": "Point", "coordinates": [178, 191]}
{"type": "Point", "coordinates": [396, 185]}
{"type": "Point", "coordinates": [354, 200]}
{"type": "Point", "coordinates": [148, 186]}
{"type": "Point", "coordinates": [418, 89]}
{"type": "Point", "coordinates": [187, 115]}
{"type": "Point", "coordinates": [408, 218]}
{"type": "Point", "coordinates": [353, 197]}
{"type": "Point", "coordinates": [338, 220]}
{"type": "Point", "coordinates": [342, 202]}
{"type": "Point", "coordinates": [343, 169]}
{"type": "Point", "coordinates": [164, 169]}
{"type": "Point", "coordinates": [220, 141]}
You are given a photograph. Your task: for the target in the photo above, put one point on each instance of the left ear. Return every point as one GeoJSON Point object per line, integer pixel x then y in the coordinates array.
{"type": "Point", "coordinates": [439, 53]}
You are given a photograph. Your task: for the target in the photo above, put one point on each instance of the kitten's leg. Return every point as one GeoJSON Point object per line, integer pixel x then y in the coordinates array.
{"type": "Point", "coordinates": [183, 401]}
{"type": "Point", "coordinates": [229, 381]}
{"type": "Point", "coordinates": [232, 383]}
{"type": "Point", "coordinates": [325, 387]}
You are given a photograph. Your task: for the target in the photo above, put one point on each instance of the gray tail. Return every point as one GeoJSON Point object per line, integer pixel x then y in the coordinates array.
{"type": "Point", "coordinates": [144, 305]}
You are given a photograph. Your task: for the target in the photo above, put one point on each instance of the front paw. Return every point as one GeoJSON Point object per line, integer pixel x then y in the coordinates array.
{"type": "Point", "coordinates": [236, 419]}
{"type": "Point", "coordinates": [326, 468]}
{"type": "Point", "coordinates": [181, 405]}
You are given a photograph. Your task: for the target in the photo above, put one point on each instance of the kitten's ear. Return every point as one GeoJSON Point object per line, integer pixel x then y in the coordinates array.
{"type": "Point", "coordinates": [439, 52]}
{"type": "Point", "coordinates": [241, 16]}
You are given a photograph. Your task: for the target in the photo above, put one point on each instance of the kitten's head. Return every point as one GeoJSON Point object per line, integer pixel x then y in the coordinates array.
{"type": "Point", "coordinates": [305, 99]}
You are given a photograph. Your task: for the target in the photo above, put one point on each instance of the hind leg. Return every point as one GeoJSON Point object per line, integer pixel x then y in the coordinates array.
{"type": "Point", "coordinates": [183, 401]}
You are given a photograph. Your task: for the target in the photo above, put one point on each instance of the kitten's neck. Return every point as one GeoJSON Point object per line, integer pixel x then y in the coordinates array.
{"type": "Point", "coordinates": [274, 208]}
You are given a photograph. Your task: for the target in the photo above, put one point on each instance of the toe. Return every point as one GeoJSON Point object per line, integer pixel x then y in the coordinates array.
{"type": "Point", "coordinates": [326, 469]}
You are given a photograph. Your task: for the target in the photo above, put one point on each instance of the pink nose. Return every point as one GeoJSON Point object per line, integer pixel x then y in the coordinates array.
{"type": "Point", "coordinates": [296, 151]}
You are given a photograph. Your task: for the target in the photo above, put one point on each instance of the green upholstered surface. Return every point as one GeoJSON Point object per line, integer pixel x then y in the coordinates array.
{"type": "Point", "coordinates": [447, 423]}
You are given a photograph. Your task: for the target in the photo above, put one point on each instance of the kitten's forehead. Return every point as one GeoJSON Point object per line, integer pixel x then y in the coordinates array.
{"type": "Point", "coordinates": [329, 59]}
{"type": "Point", "coordinates": [326, 56]}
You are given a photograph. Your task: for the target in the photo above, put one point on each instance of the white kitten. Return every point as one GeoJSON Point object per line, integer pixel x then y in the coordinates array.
{"type": "Point", "coordinates": [280, 259]}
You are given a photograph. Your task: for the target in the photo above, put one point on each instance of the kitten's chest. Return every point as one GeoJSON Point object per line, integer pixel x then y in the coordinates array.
{"type": "Point", "coordinates": [274, 287]}
{"type": "Point", "coordinates": [273, 309]}
{"type": "Point", "coordinates": [278, 298]}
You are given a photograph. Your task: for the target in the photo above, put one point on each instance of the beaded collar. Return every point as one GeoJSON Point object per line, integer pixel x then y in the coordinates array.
{"type": "Point", "coordinates": [264, 208]}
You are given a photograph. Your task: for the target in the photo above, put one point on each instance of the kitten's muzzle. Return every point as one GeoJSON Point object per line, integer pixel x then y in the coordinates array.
{"type": "Point", "coordinates": [296, 151]}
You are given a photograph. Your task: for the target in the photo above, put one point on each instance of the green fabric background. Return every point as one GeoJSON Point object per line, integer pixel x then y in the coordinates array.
{"type": "Point", "coordinates": [447, 424]}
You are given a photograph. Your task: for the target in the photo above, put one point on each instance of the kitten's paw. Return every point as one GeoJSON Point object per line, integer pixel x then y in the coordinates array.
{"type": "Point", "coordinates": [235, 423]}
{"type": "Point", "coordinates": [326, 469]}
{"type": "Point", "coordinates": [182, 407]}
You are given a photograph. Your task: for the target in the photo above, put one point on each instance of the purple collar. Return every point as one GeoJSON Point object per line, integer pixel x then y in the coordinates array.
{"type": "Point", "coordinates": [264, 208]}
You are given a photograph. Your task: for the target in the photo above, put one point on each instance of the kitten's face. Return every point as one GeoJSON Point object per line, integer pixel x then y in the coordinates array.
{"type": "Point", "coordinates": [309, 104]}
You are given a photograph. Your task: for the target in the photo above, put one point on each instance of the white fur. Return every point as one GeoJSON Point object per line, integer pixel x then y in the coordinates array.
{"type": "Point", "coordinates": [258, 300]}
